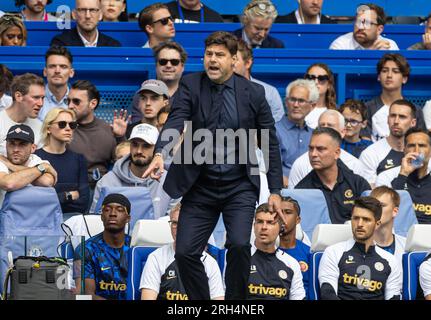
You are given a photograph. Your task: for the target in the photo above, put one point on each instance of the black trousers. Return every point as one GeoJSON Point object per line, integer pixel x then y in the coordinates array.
{"type": "Point", "coordinates": [200, 211]}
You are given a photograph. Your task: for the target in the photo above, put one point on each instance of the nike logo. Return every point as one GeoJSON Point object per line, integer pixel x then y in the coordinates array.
{"type": "Point", "coordinates": [169, 278]}
{"type": "Point", "coordinates": [388, 166]}
{"type": "Point", "coordinates": [349, 262]}
{"type": "Point", "coordinates": [253, 271]}
{"type": "Point", "coordinates": [105, 268]}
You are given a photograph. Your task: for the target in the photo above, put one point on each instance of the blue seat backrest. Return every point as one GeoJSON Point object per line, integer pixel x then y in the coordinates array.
{"type": "Point", "coordinates": [313, 286]}
{"type": "Point", "coordinates": [406, 214]}
{"type": "Point", "coordinates": [411, 264]}
{"type": "Point", "coordinates": [139, 197]}
{"type": "Point", "coordinates": [137, 258]}
{"type": "Point", "coordinates": [314, 209]}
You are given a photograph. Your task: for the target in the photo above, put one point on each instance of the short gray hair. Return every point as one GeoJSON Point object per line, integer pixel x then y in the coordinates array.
{"type": "Point", "coordinates": [259, 9]}
{"type": "Point", "coordinates": [335, 113]}
{"type": "Point", "coordinates": [313, 92]}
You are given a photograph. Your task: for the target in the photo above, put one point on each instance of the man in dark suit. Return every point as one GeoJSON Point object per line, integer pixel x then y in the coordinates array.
{"type": "Point", "coordinates": [210, 100]}
{"type": "Point", "coordinates": [308, 12]}
{"type": "Point", "coordinates": [87, 14]}
{"type": "Point", "coordinates": [257, 20]}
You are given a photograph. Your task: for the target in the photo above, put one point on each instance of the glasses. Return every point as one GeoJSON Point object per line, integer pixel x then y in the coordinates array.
{"type": "Point", "coordinates": [164, 21]}
{"type": "Point", "coordinates": [10, 18]}
{"type": "Point", "coordinates": [174, 62]}
{"type": "Point", "coordinates": [366, 23]}
{"type": "Point", "coordinates": [321, 79]}
{"type": "Point", "coordinates": [92, 11]}
{"type": "Point", "coordinates": [352, 122]}
{"type": "Point", "coordinates": [173, 223]}
{"type": "Point", "coordinates": [262, 6]}
{"type": "Point", "coordinates": [62, 124]}
{"type": "Point", "coordinates": [300, 102]}
{"type": "Point", "coordinates": [75, 101]}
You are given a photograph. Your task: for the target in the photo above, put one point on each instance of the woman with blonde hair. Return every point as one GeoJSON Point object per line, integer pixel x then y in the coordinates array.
{"type": "Point", "coordinates": [324, 79]}
{"type": "Point", "coordinates": [72, 185]}
{"type": "Point", "coordinates": [12, 31]}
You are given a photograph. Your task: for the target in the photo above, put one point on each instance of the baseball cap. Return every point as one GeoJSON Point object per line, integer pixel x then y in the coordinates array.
{"type": "Point", "coordinates": [155, 86]}
{"type": "Point", "coordinates": [20, 132]}
{"type": "Point", "coordinates": [146, 132]}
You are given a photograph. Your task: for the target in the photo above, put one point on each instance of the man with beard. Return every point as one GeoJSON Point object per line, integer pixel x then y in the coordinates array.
{"type": "Point", "coordinates": [387, 153]}
{"type": "Point", "coordinates": [106, 263]}
{"type": "Point", "coordinates": [87, 14]}
{"type": "Point", "coordinates": [366, 35]}
{"type": "Point", "coordinates": [35, 10]}
{"type": "Point", "coordinates": [357, 269]}
{"type": "Point", "coordinates": [308, 12]}
{"type": "Point", "coordinates": [128, 171]}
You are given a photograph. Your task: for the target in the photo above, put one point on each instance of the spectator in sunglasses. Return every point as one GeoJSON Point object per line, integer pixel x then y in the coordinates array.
{"type": "Point", "coordinates": [355, 119]}
{"type": "Point", "coordinates": [12, 31]}
{"type": "Point", "coordinates": [87, 14]}
{"type": "Point", "coordinates": [324, 79]}
{"type": "Point", "coordinates": [157, 23]}
{"type": "Point", "coordinates": [35, 10]}
{"type": "Point", "coordinates": [72, 183]}
{"type": "Point", "coordinates": [170, 59]}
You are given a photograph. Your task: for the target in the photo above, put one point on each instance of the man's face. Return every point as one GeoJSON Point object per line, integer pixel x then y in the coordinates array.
{"type": "Point", "coordinates": [420, 143]}
{"type": "Point", "coordinates": [32, 102]}
{"type": "Point", "coordinates": [36, 6]}
{"type": "Point", "coordinates": [170, 70]}
{"type": "Point", "coordinates": [18, 151]}
{"type": "Point", "coordinates": [150, 104]}
{"type": "Point", "coordinates": [173, 222]}
{"type": "Point", "coordinates": [266, 229]}
{"type": "Point", "coordinates": [400, 120]}
{"type": "Point", "coordinates": [366, 31]}
{"type": "Point", "coordinates": [290, 216]}
{"type": "Point", "coordinates": [141, 152]}
{"type": "Point", "coordinates": [354, 123]}
{"type": "Point", "coordinates": [242, 67]}
{"type": "Point", "coordinates": [298, 104]}
{"type": "Point", "coordinates": [389, 211]}
{"type": "Point", "coordinates": [257, 29]}
{"type": "Point", "coordinates": [80, 104]}
{"type": "Point", "coordinates": [311, 7]}
{"type": "Point", "coordinates": [159, 30]}
{"type": "Point", "coordinates": [331, 121]}
{"type": "Point", "coordinates": [219, 63]}
{"type": "Point", "coordinates": [390, 77]}
{"type": "Point", "coordinates": [323, 152]}
{"type": "Point", "coordinates": [87, 14]}
{"type": "Point", "coordinates": [58, 70]}
{"type": "Point", "coordinates": [190, 3]}
{"type": "Point", "coordinates": [115, 217]}
{"type": "Point", "coordinates": [363, 224]}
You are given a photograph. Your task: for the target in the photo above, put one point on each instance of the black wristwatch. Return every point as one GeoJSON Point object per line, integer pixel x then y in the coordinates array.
{"type": "Point", "coordinates": [68, 196]}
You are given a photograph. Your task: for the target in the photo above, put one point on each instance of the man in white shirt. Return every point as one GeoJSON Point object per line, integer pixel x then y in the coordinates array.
{"type": "Point", "coordinates": [28, 92]}
{"type": "Point", "coordinates": [366, 35]}
{"type": "Point", "coordinates": [302, 166]}
{"type": "Point", "coordinates": [21, 167]}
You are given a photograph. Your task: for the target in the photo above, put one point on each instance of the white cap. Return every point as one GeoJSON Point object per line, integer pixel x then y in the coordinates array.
{"type": "Point", "coordinates": [146, 132]}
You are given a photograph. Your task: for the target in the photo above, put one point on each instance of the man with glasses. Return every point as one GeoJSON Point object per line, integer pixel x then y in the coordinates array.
{"type": "Point", "coordinates": [355, 119]}
{"type": "Point", "coordinates": [87, 14]}
{"type": "Point", "coordinates": [292, 132]}
{"type": "Point", "coordinates": [160, 278]}
{"type": "Point", "coordinates": [192, 11]}
{"type": "Point", "coordinates": [257, 20]}
{"type": "Point", "coordinates": [157, 23]}
{"type": "Point", "coordinates": [366, 35]}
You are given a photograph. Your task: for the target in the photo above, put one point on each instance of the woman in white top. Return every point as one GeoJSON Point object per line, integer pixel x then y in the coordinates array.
{"type": "Point", "coordinates": [322, 75]}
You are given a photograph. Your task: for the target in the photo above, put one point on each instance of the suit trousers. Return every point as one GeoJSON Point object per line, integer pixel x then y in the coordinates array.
{"type": "Point", "coordinates": [200, 211]}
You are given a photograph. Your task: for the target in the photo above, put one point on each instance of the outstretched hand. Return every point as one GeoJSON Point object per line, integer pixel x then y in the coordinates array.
{"type": "Point", "coordinates": [119, 124]}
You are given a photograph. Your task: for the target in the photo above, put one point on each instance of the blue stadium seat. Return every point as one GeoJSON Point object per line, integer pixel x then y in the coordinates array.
{"type": "Point", "coordinates": [314, 209]}
{"type": "Point", "coordinates": [406, 215]}
{"type": "Point", "coordinates": [411, 264]}
{"type": "Point", "coordinates": [313, 286]}
{"type": "Point", "coordinates": [137, 258]}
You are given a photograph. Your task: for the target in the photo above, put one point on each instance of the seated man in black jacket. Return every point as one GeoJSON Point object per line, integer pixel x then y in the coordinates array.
{"type": "Point", "coordinates": [308, 12]}
{"type": "Point", "coordinates": [87, 14]}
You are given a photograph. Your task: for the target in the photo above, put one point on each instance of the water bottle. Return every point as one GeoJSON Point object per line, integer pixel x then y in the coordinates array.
{"type": "Point", "coordinates": [418, 162]}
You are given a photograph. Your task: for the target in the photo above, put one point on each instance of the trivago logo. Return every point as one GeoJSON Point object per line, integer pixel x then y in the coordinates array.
{"type": "Point", "coordinates": [370, 285]}
{"type": "Point", "coordinates": [267, 291]}
{"type": "Point", "coordinates": [424, 208]}
{"type": "Point", "coordinates": [112, 286]}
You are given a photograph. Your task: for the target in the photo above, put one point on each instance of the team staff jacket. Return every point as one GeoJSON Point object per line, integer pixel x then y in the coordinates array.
{"type": "Point", "coordinates": [347, 272]}
{"type": "Point", "coordinates": [274, 276]}
{"type": "Point", "coordinates": [425, 275]}
{"type": "Point", "coordinates": [340, 199]}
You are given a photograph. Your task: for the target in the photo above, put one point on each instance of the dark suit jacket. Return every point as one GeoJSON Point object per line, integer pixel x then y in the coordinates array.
{"type": "Point", "coordinates": [291, 18]}
{"type": "Point", "coordinates": [193, 103]}
{"type": "Point", "coordinates": [71, 38]}
{"type": "Point", "coordinates": [268, 42]}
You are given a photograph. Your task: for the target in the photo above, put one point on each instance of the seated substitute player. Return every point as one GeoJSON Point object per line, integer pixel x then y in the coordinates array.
{"type": "Point", "coordinates": [274, 275]}
{"type": "Point", "coordinates": [106, 263]}
{"type": "Point", "coordinates": [425, 277]}
{"type": "Point", "coordinates": [357, 269]}
{"type": "Point", "coordinates": [160, 278]}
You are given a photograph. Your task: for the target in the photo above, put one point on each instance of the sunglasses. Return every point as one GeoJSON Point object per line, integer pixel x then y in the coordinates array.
{"type": "Point", "coordinates": [75, 101]}
{"type": "Point", "coordinates": [164, 21]}
{"type": "Point", "coordinates": [164, 62]}
{"type": "Point", "coordinates": [321, 79]}
{"type": "Point", "coordinates": [62, 124]}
